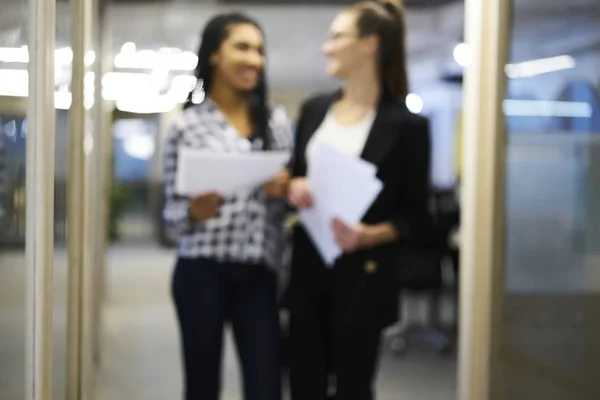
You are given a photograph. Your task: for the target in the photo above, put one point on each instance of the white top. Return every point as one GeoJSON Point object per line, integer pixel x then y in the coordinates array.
{"type": "Point", "coordinates": [347, 139]}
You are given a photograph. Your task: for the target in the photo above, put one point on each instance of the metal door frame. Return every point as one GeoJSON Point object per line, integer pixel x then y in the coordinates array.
{"type": "Point", "coordinates": [40, 111]}
{"type": "Point", "coordinates": [39, 245]}
{"type": "Point", "coordinates": [87, 198]}
{"type": "Point", "coordinates": [483, 196]}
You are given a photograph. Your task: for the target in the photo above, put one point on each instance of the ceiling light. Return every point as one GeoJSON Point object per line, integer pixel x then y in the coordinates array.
{"type": "Point", "coordinates": [537, 108]}
{"type": "Point", "coordinates": [532, 68]}
{"type": "Point", "coordinates": [463, 55]}
{"type": "Point", "coordinates": [150, 59]}
{"type": "Point", "coordinates": [146, 104]}
{"type": "Point", "coordinates": [128, 48]}
{"type": "Point", "coordinates": [63, 56]}
{"type": "Point", "coordinates": [181, 86]}
{"type": "Point", "coordinates": [90, 58]}
{"type": "Point", "coordinates": [14, 82]}
{"type": "Point", "coordinates": [14, 54]}
{"type": "Point", "coordinates": [116, 85]}
{"type": "Point", "coordinates": [414, 103]}
{"type": "Point", "coordinates": [62, 100]}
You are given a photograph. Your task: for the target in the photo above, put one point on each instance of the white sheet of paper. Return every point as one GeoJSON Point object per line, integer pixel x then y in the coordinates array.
{"type": "Point", "coordinates": [200, 172]}
{"type": "Point", "coordinates": [342, 187]}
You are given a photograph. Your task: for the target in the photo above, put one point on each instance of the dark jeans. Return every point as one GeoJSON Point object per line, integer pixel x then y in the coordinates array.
{"type": "Point", "coordinates": [207, 294]}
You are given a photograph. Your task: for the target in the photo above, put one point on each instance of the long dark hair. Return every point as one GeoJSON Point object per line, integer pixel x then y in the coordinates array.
{"type": "Point", "coordinates": [385, 19]}
{"type": "Point", "coordinates": [215, 32]}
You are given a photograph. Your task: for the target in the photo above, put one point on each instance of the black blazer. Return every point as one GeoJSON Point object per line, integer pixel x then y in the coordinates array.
{"type": "Point", "coordinates": [363, 286]}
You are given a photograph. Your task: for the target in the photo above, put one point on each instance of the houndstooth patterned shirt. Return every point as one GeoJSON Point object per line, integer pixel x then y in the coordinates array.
{"type": "Point", "coordinates": [249, 227]}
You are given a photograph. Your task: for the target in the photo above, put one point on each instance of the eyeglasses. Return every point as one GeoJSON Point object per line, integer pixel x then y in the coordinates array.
{"type": "Point", "coordinates": [340, 35]}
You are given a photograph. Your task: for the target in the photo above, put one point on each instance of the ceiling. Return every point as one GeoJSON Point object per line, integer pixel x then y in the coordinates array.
{"type": "Point", "coordinates": [295, 32]}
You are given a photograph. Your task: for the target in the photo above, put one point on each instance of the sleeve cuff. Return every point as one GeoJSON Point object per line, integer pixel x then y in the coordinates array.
{"type": "Point", "coordinates": [177, 216]}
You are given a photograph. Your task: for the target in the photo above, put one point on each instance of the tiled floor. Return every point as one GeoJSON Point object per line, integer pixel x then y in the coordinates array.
{"type": "Point", "coordinates": [140, 359]}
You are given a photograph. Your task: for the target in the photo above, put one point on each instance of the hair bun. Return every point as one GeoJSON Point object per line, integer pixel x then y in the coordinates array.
{"type": "Point", "coordinates": [393, 7]}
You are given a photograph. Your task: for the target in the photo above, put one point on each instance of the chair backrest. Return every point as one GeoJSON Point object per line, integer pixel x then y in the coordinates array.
{"type": "Point", "coordinates": [445, 209]}
{"type": "Point", "coordinates": [422, 269]}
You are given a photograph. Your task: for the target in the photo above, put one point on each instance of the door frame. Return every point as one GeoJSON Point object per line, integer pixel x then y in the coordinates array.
{"type": "Point", "coordinates": [39, 244]}
{"type": "Point", "coordinates": [483, 239]}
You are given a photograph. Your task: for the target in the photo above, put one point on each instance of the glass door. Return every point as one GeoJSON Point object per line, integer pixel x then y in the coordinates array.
{"type": "Point", "coordinates": [549, 328]}
{"type": "Point", "coordinates": [13, 267]}
{"type": "Point", "coordinates": [49, 315]}
{"type": "Point", "coordinates": [530, 241]}
{"type": "Point", "coordinates": [31, 321]}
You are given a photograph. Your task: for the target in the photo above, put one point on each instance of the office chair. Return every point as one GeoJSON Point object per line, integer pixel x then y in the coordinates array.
{"type": "Point", "coordinates": [421, 273]}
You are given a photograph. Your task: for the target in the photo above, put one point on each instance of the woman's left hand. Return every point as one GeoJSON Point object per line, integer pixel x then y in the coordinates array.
{"type": "Point", "coordinates": [351, 238]}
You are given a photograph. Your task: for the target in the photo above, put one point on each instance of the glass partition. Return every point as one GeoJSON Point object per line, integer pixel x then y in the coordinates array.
{"type": "Point", "coordinates": [13, 311]}
{"type": "Point", "coordinates": [550, 327]}
{"type": "Point", "coordinates": [15, 59]}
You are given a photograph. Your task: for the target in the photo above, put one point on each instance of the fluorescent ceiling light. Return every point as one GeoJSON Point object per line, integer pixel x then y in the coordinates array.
{"type": "Point", "coordinates": [464, 57]}
{"type": "Point", "coordinates": [14, 54]}
{"type": "Point", "coordinates": [146, 105]}
{"type": "Point", "coordinates": [181, 86]}
{"type": "Point", "coordinates": [116, 85]}
{"type": "Point", "coordinates": [121, 85]}
{"type": "Point", "coordinates": [14, 82]}
{"type": "Point", "coordinates": [531, 68]}
{"type": "Point", "coordinates": [150, 59]}
{"type": "Point", "coordinates": [62, 56]}
{"type": "Point", "coordinates": [536, 108]}
{"type": "Point", "coordinates": [62, 100]}
{"type": "Point", "coordinates": [125, 88]}
{"type": "Point", "coordinates": [129, 48]}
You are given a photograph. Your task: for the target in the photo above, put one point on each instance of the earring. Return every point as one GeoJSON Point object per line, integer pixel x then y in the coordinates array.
{"type": "Point", "coordinates": [198, 92]}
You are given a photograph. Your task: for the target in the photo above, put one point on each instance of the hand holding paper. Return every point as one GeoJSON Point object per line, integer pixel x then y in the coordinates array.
{"type": "Point", "coordinates": [349, 238]}
{"type": "Point", "coordinates": [300, 195]}
{"type": "Point", "coordinates": [343, 187]}
{"type": "Point", "coordinates": [205, 207]}
{"type": "Point", "coordinates": [277, 187]}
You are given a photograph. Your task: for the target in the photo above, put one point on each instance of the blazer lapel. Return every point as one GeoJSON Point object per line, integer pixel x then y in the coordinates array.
{"type": "Point", "coordinates": [315, 120]}
{"type": "Point", "coordinates": [383, 133]}
{"type": "Point", "coordinates": [382, 137]}
{"type": "Point", "coordinates": [310, 126]}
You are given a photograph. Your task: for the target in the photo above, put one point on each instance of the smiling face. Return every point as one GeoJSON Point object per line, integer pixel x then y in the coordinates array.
{"type": "Point", "coordinates": [239, 61]}
{"type": "Point", "coordinates": [346, 50]}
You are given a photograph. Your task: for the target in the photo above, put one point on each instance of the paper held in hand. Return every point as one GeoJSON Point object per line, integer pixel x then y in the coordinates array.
{"type": "Point", "coordinates": [342, 186]}
{"type": "Point", "coordinates": [200, 172]}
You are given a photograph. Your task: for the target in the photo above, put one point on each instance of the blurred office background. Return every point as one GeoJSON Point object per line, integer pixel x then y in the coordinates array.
{"type": "Point", "coordinates": [549, 331]}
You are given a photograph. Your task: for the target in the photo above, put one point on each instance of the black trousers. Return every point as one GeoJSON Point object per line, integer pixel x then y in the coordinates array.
{"type": "Point", "coordinates": [207, 294]}
{"type": "Point", "coordinates": [319, 350]}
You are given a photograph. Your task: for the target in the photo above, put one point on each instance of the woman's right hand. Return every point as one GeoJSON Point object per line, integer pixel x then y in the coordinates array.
{"type": "Point", "coordinates": [299, 193]}
{"type": "Point", "coordinates": [205, 207]}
